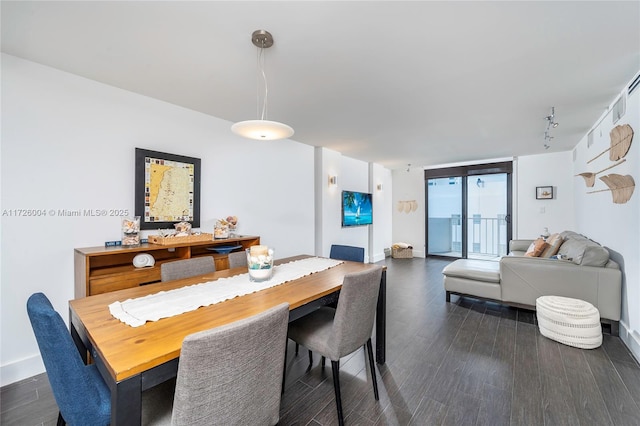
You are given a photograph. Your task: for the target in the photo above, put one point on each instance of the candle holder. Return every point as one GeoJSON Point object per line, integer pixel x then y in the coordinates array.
{"type": "Point", "coordinates": [260, 263]}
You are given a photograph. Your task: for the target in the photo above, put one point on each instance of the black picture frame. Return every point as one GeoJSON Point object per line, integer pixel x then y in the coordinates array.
{"type": "Point", "coordinates": [143, 206]}
{"type": "Point", "coordinates": [544, 192]}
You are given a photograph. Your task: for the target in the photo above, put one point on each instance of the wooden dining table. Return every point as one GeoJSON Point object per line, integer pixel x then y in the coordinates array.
{"type": "Point", "coordinates": [134, 359]}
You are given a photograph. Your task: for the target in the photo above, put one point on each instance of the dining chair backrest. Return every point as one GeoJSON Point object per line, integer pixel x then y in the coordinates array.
{"type": "Point", "coordinates": [237, 259]}
{"type": "Point", "coordinates": [353, 320]}
{"type": "Point", "coordinates": [340, 252]}
{"type": "Point", "coordinates": [186, 268]}
{"type": "Point", "coordinates": [232, 375]}
{"type": "Point", "coordinates": [82, 396]}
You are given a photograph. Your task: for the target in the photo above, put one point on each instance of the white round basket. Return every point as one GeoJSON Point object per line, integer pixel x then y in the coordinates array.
{"type": "Point", "coordinates": [572, 322]}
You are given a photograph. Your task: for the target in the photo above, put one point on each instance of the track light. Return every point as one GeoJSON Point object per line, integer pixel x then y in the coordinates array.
{"type": "Point", "coordinates": [551, 124]}
{"type": "Point", "coordinates": [550, 118]}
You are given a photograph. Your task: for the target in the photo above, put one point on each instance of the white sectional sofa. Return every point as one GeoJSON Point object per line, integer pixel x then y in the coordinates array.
{"type": "Point", "coordinates": [581, 269]}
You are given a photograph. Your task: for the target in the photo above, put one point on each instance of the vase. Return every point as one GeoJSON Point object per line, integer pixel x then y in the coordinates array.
{"type": "Point", "coordinates": [131, 231]}
{"type": "Point", "coordinates": [220, 231]}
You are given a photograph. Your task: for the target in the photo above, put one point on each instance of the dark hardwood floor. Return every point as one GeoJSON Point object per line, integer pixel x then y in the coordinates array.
{"type": "Point", "coordinates": [461, 363]}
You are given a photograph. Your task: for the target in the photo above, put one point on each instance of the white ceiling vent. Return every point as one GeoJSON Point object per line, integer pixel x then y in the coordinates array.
{"type": "Point", "coordinates": [634, 84]}
{"type": "Point", "coordinates": [618, 109]}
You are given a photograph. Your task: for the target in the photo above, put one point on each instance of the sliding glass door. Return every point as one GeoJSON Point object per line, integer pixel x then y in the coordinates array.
{"type": "Point", "coordinates": [444, 216]}
{"type": "Point", "coordinates": [487, 216]}
{"type": "Point", "coordinates": [469, 211]}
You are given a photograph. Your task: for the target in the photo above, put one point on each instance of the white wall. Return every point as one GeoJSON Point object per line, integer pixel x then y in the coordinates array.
{"type": "Point", "coordinates": [616, 226]}
{"type": "Point", "coordinates": [381, 230]}
{"type": "Point", "coordinates": [68, 143]}
{"type": "Point", "coordinates": [409, 227]}
{"type": "Point", "coordinates": [532, 215]}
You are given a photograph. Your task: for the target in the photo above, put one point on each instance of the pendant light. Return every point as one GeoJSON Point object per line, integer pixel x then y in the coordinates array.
{"type": "Point", "coordinates": [262, 129]}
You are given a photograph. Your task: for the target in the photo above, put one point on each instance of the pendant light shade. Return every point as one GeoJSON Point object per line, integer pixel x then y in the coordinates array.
{"type": "Point", "coordinates": [262, 129]}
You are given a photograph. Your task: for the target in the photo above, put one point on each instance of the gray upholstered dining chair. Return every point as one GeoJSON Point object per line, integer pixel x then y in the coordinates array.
{"type": "Point", "coordinates": [334, 333]}
{"type": "Point", "coordinates": [237, 259]}
{"type": "Point", "coordinates": [341, 252]}
{"type": "Point", "coordinates": [231, 375]}
{"type": "Point", "coordinates": [187, 268]}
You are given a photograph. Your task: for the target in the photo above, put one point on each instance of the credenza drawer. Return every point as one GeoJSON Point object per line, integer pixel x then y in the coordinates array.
{"type": "Point", "coordinates": [118, 282]}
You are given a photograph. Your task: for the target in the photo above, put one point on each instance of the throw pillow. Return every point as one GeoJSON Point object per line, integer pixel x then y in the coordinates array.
{"type": "Point", "coordinates": [536, 248]}
{"type": "Point", "coordinates": [553, 245]}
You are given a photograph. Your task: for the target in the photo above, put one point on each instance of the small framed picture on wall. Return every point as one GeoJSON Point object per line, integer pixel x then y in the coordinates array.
{"type": "Point", "coordinates": [544, 192]}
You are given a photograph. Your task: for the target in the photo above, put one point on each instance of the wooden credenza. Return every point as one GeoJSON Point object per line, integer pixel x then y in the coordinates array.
{"type": "Point", "coordinates": [105, 269]}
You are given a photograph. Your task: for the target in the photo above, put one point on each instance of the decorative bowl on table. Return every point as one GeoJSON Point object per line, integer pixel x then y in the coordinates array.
{"type": "Point", "coordinates": [260, 263]}
{"type": "Point", "coordinates": [223, 249]}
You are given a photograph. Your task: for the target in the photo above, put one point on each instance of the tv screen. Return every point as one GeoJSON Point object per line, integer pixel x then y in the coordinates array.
{"type": "Point", "coordinates": [357, 208]}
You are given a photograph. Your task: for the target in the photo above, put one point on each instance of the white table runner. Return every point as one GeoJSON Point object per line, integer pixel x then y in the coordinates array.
{"type": "Point", "coordinates": [136, 312]}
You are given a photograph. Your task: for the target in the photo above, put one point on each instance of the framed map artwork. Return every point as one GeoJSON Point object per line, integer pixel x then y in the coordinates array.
{"type": "Point", "coordinates": [167, 189]}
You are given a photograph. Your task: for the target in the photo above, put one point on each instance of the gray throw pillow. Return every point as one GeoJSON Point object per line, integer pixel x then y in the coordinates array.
{"type": "Point", "coordinates": [595, 255]}
{"type": "Point", "coordinates": [573, 249]}
{"type": "Point", "coordinates": [583, 251]}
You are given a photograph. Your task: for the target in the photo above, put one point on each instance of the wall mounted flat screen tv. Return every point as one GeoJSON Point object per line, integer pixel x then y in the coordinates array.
{"type": "Point", "coordinates": [357, 208]}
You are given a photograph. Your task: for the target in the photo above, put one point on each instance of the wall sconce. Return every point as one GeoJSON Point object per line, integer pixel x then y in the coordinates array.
{"type": "Point", "coordinates": [333, 180]}
{"type": "Point", "coordinates": [379, 187]}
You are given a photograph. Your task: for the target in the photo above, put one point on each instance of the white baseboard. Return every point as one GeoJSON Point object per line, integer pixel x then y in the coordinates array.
{"type": "Point", "coordinates": [631, 339]}
{"type": "Point", "coordinates": [20, 370]}
{"type": "Point", "coordinates": [377, 257]}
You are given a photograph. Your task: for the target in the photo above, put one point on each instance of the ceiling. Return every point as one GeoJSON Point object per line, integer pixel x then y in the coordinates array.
{"type": "Point", "coordinates": [395, 83]}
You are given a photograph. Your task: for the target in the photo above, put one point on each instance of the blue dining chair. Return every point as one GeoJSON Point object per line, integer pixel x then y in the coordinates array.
{"type": "Point", "coordinates": [82, 396]}
{"type": "Point", "coordinates": [340, 252]}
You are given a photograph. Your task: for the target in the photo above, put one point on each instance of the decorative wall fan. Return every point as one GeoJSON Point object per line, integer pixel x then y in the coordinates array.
{"type": "Point", "coordinates": [621, 187]}
{"type": "Point", "coordinates": [590, 178]}
{"type": "Point", "coordinates": [621, 137]}
{"type": "Point", "coordinates": [407, 206]}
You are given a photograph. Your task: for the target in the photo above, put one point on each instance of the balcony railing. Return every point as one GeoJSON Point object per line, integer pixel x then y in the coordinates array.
{"type": "Point", "coordinates": [486, 237]}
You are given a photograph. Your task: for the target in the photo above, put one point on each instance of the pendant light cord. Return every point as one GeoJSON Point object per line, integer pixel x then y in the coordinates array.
{"type": "Point", "coordinates": [261, 73]}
